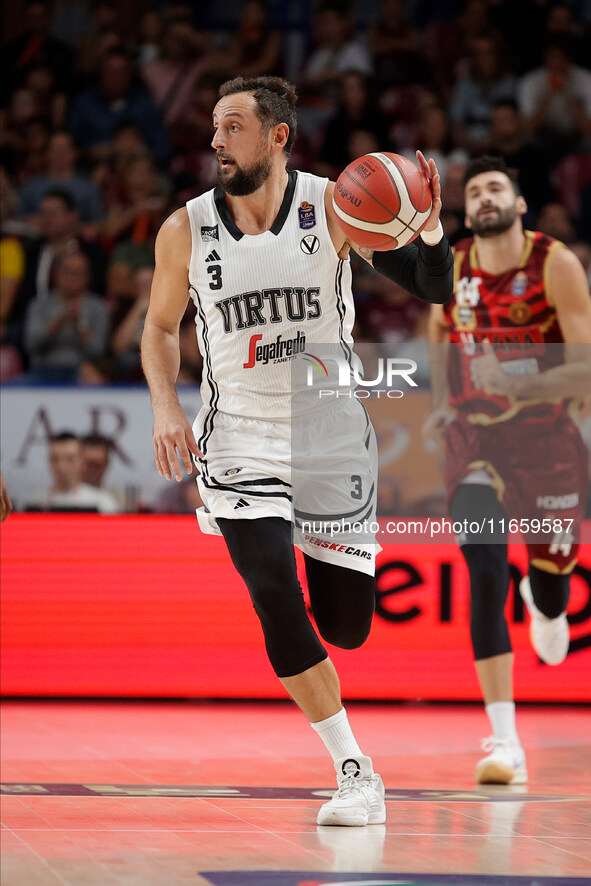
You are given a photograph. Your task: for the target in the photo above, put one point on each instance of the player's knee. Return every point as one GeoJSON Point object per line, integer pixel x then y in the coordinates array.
{"type": "Point", "coordinates": [347, 636]}
{"type": "Point", "coordinates": [550, 591]}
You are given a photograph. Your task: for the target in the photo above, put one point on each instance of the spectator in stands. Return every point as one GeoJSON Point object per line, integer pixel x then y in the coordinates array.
{"type": "Point", "coordinates": [453, 214]}
{"type": "Point", "coordinates": [432, 135]}
{"type": "Point", "coordinates": [254, 48]}
{"type": "Point", "coordinates": [110, 174]}
{"type": "Point", "coordinates": [97, 371]}
{"type": "Point", "coordinates": [131, 225]}
{"type": "Point", "coordinates": [67, 326]}
{"type": "Point", "coordinates": [128, 325]}
{"type": "Point", "coordinates": [446, 42]}
{"type": "Point", "coordinates": [150, 38]}
{"type": "Point", "coordinates": [67, 491]}
{"type": "Point", "coordinates": [394, 44]}
{"type": "Point", "coordinates": [35, 46]}
{"type": "Point", "coordinates": [475, 94]}
{"type": "Point", "coordinates": [51, 102]}
{"type": "Point", "coordinates": [96, 457]}
{"type": "Point", "coordinates": [59, 227]}
{"type": "Point", "coordinates": [61, 173]}
{"type": "Point", "coordinates": [15, 115]}
{"type": "Point", "coordinates": [32, 159]}
{"type": "Point", "coordinates": [356, 111]}
{"type": "Point", "coordinates": [117, 97]}
{"type": "Point", "coordinates": [138, 213]}
{"type": "Point", "coordinates": [555, 101]}
{"type": "Point", "coordinates": [12, 254]}
{"type": "Point", "coordinates": [104, 34]}
{"type": "Point", "coordinates": [336, 52]}
{"type": "Point", "coordinates": [509, 139]}
{"type": "Point", "coordinates": [562, 23]}
{"type": "Point", "coordinates": [555, 220]}
{"type": "Point", "coordinates": [173, 78]}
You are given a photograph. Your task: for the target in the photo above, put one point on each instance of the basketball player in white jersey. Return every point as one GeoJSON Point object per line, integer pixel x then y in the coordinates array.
{"type": "Point", "coordinates": [267, 266]}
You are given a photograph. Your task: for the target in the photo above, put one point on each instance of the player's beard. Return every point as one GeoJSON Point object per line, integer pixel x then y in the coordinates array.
{"type": "Point", "coordinates": [495, 223]}
{"type": "Point", "coordinates": [248, 179]}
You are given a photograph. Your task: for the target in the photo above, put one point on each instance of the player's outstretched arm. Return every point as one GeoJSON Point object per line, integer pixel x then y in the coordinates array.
{"type": "Point", "coordinates": [568, 291]}
{"type": "Point", "coordinates": [173, 437]}
{"type": "Point", "coordinates": [424, 267]}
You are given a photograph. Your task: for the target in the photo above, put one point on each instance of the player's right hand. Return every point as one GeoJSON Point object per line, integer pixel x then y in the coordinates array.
{"type": "Point", "coordinates": [435, 424]}
{"type": "Point", "coordinates": [174, 442]}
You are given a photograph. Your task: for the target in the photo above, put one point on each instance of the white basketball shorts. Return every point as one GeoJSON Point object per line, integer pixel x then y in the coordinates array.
{"type": "Point", "coordinates": [320, 473]}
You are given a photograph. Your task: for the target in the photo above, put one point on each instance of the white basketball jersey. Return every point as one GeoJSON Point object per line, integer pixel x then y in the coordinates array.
{"type": "Point", "coordinates": [263, 299]}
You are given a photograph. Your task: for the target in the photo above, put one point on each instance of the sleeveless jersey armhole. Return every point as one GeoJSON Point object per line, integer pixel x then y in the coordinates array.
{"type": "Point", "coordinates": [558, 244]}
{"type": "Point", "coordinates": [194, 241]}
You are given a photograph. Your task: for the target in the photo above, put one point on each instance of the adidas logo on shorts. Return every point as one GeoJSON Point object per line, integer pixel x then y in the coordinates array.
{"type": "Point", "coordinates": [241, 504]}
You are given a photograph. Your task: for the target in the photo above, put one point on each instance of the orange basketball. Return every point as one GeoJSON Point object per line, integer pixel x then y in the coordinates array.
{"type": "Point", "coordinates": [382, 201]}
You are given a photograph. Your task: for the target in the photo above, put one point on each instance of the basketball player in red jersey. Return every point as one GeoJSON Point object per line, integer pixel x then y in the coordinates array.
{"type": "Point", "coordinates": [519, 328]}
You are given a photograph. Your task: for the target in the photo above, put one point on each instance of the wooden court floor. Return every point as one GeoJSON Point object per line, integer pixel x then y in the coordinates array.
{"type": "Point", "coordinates": [225, 794]}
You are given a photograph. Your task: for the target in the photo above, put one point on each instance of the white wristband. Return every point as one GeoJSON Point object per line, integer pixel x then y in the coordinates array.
{"type": "Point", "coordinates": [432, 238]}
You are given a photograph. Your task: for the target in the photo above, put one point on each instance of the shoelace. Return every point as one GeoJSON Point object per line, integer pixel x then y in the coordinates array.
{"type": "Point", "coordinates": [351, 785]}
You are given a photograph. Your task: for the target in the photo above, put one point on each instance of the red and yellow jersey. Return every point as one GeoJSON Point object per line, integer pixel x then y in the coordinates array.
{"type": "Point", "coordinates": [515, 313]}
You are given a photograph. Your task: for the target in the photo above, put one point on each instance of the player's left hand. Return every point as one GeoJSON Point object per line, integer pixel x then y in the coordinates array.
{"type": "Point", "coordinates": [429, 170]}
{"type": "Point", "coordinates": [487, 374]}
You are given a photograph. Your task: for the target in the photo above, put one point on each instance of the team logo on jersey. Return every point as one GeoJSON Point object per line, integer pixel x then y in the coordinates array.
{"type": "Point", "coordinates": [464, 316]}
{"type": "Point", "coordinates": [209, 232]}
{"type": "Point", "coordinates": [309, 244]}
{"type": "Point", "coordinates": [519, 283]}
{"type": "Point", "coordinates": [520, 313]}
{"type": "Point", "coordinates": [213, 256]}
{"type": "Point", "coordinates": [307, 215]}
{"type": "Point", "coordinates": [282, 350]}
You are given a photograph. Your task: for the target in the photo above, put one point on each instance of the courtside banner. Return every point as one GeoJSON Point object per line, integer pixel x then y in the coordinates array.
{"type": "Point", "coordinates": [148, 606]}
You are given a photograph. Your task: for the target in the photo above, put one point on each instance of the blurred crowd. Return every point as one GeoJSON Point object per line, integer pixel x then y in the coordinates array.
{"type": "Point", "coordinates": [106, 129]}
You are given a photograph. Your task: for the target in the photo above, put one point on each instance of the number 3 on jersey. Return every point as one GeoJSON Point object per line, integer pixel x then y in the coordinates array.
{"type": "Point", "coordinates": [215, 272]}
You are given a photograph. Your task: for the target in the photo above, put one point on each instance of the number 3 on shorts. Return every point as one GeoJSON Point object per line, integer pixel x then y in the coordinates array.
{"type": "Point", "coordinates": [356, 492]}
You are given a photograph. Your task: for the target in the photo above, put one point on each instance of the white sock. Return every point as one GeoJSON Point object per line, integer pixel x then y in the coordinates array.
{"type": "Point", "coordinates": [337, 735]}
{"type": "Point", "coordinates": [502, 718]}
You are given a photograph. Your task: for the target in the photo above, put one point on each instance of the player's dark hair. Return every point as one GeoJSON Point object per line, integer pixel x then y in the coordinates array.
{"type": "Point", "coordinates": [488, 163]}
{"type": "Point", "coordinates": [275, 102]}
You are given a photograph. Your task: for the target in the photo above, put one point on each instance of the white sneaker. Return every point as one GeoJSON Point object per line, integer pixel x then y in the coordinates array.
{"type": "Point", "coordinates": [504, 763]}
{"type": "Point", "coordinates": [359, 799]}
{"type": "Point", "coordinates": [549, 636]}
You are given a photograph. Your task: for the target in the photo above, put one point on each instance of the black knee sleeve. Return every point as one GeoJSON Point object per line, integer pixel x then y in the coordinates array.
{"type": "Point", "coordinates": [550, 591]}
{"type": "Point", "coordinates": [262, 552]}
{"type": "Point", "coordinates": [488, 567]}
{"type": "Point", "coordinates": [342, 601]}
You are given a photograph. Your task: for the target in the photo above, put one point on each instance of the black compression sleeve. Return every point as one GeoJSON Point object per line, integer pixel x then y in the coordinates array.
{"type": "Point", "coordinates": [425, 271]}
